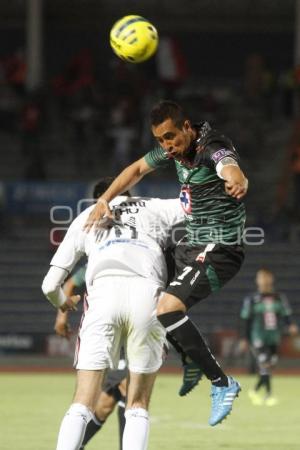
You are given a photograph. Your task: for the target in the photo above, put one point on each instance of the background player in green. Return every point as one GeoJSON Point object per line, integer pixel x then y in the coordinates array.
{"type": "Point", "coordinates": [212, 186]}
{"type": "Point", "coordinates": [265, 313]}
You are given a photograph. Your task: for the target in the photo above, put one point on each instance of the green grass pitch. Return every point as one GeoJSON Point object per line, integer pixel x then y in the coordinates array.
{"type": "Point", "coordinates": [32, 406]}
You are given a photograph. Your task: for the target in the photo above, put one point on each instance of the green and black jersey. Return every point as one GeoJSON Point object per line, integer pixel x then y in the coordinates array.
{"type": "Point", "coordinates": [211, 214]}
{"type": "Point", "coordinates": [78, 277]}
{"type": "Point", "coordinates": [265, 315]}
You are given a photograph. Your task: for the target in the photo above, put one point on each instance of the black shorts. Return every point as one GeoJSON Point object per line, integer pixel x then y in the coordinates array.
{"type": "Point", "coordinates": [203, 269]}
{"type": "Point", "coordinates": [111, 383]}
{"type": "Point", "coordinates": [266, 354]}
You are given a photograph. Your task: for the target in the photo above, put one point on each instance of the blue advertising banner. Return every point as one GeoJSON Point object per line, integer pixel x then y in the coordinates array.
{"type": "Point", "coordinates": [39, 197]}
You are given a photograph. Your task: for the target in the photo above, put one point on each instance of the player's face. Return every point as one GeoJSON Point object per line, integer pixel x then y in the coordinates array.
{"type": "Point", "coordinates": [264, 281]}
{"type": "Point", "coordinates": [175, 141]}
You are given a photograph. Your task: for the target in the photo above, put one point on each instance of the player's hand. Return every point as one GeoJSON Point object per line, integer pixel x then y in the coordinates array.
{"type": "Point", "coordinates": [243, 346]}
{"type": "Point", "coordinates": [293, 329]}
{"type": "Point", "coordinates": [70, 304]}
{"type": "Point", "coordinates": [62, 326]}
{"type": "Point", "coordinates": [236, 190]}
{"type": "Point", "coordinates": [99, 215]}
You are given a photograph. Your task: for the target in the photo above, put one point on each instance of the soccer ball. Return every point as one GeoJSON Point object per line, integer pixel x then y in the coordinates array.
{"type": "Point", "coordinates": [134, 39]}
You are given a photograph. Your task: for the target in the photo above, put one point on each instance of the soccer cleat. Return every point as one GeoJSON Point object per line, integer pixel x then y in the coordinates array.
{"type": "Point", "coordinates": [255, 398]}
{"type": "Point", "coordinates": [192, 374]}
{"type": "Point", "coordinates": [271, 401]}
{"type": "Point", "coordinates": [222, 400]}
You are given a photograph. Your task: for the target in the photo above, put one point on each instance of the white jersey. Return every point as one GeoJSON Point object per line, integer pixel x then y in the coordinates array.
{"type": "Point", "coordinates": [132, 245]}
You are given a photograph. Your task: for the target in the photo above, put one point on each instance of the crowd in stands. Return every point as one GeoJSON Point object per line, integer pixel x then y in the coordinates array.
{"type": "Point", "coordinates": [100, 116]}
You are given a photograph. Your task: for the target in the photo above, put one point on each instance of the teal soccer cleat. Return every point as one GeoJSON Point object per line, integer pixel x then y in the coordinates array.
{"type": "Point", "coordinates": [192, 374]}
{"type": "Point", "coordinates": [222, 400]}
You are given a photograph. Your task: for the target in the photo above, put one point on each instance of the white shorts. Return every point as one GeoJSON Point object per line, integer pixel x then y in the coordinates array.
{"type": "Point", "coordinates": [121, 311]}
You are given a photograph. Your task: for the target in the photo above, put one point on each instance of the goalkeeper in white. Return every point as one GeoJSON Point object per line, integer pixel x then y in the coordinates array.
{"type": "Point", "coordinates": [126, 274]}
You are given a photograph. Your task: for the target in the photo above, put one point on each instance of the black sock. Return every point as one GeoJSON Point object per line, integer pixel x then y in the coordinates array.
{"type": "Point", "coordinates": [184, 358]}
{"type": "Point", "coordinates": [122, 421]}
{"type": "Point", "coordinates": [188, 337]}
{"type": "Point", "coordinates": [91, 429]}
{"type": "Point", "coordinates": [268, 383]}
{"type": "Point", "coordinates": [260, 383]}
{"type": "Point", "coordinates": [264, 380]}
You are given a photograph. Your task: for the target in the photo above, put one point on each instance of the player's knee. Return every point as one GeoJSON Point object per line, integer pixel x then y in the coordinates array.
{"type": "Point", "coordinates": [136, 411]}
{"type": "Point", "coordinates": [105, 406]}
{"type": "Point", "coordinates": [169, 303]}
{"type": "Point", "coordinates": [139, 396]}
{"type": "Point", "coordinates": [78, 409]}
{"type": "Point", "coordinates": [139, 400]}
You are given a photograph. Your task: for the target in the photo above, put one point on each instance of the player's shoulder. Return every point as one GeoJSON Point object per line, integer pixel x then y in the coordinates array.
{"type": "Point", "coordinates": [252, 297]}
{"type": "Point", "coordinates": [161, 202]}
{"type": "Point", "coordinates": [128, 200]}
{"type": "Point", "coordinates": [281, 296]}
{"type": "Point", "coordinates": [149, 201]}
{"type": "Point", "coordinates": [157, 157]}
{"type": "Point", "coordinates": [82, 217]}
{"type": "Point", "coordinates": [211, 138]}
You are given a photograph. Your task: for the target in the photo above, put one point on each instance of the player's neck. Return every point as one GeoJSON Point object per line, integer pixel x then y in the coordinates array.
{"type": "Point", "coordinates": [266, 291]}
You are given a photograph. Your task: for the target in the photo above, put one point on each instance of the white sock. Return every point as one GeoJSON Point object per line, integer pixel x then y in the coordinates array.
{"type": "Point", "coordinates": [136, 432]}
{"type": "Point", "coordinates": [73, 427]}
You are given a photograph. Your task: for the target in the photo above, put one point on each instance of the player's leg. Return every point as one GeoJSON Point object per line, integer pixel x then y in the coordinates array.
{"type": "Point", "coordinates": [74, 423]}
{"type": "Point", "coordinates": [122, 389]}
{"type": "Point", "coordinates": [270, 400]}
{"type": "Point", "coordinates": [171, 312]}
{"type": "Point", "coordinates": [104, 407]}
{"type": "Point", "coordinates": [121, 420]}
{"type": "Point", "coordinates": [145, 351]}
{"type": "Point", "coordinates": [263, 363]}
{"type": "Point", "coordinates": [196, 280]}
{"type": "Point", "coordinates": [258, 353]}
{"type": "Point", "coordinates": [98, 345]}
{"type": "Point", "coordinates": [136, 432]}
{"type": "Point", "coordinates": [111, 395]}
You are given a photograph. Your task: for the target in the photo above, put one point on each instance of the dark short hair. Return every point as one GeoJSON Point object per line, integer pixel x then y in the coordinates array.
{"type": "Point", "coordinates": [266, 271]}
{"type": "Point", "coordinates": [102, 185]}
{"type": "Point", "coordinates": [167, 109]}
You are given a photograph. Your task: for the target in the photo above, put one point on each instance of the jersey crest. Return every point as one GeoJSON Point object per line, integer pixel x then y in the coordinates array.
{"type": "Point", "coordinates": [186, 199]}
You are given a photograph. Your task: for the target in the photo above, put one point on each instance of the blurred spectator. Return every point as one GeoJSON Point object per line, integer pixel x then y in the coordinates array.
{"type": "Point", "coordinates": [78, 74]}
{"type": "Point", "coordinates": [290, 179]}
{"type": "Point", "coordinates": [172, 66]}
{"type": "Point", "coordinates": [9, 108]}
{"type": "Point", "coordinates": [287, 86]}
{"type": "Point", "coordinates": [31, 118]}
{"type": "Point", "coordinates": [258, 83]}
{"type": "Point", "coordinates": [123, 131]}
{"type": "Point", "coordinates": [15, 71]}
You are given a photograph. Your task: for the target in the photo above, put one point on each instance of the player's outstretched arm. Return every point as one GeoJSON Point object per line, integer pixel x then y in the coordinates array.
{"type": "Point", "coordinates": [236, 184]}
{"type": "Point", "coordinates": [62, 326]}
{"type": "Point", "coordinates": [126, 180]}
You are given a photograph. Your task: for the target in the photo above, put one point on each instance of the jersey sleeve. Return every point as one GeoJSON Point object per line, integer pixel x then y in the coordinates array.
{"type": "Point", "coordinates": [157, 158]}
{"type": "Point", "coordinates": [71, 248]}
{"type": "Point", "coordinates": [246, 311]}
{"type": "Point", "coordinates": [78, 277]}
{"type": "Point", "coordinates": [217, 147]}
{"type": "Point", "coordinates": [286, 309]}
{"type": "Point", "coordinates": [216, 153]}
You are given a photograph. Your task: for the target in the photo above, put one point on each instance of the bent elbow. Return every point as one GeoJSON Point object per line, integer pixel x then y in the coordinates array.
{"type": "Point", "coordinates": [47, 286]}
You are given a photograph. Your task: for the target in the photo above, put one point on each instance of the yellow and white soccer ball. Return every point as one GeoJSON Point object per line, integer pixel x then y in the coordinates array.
{"type": "Point", "coordinates": [134, 39]}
